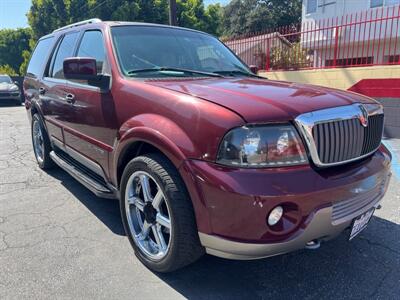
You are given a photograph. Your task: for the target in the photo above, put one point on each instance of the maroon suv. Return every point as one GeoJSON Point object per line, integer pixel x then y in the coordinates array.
{"type": "Point", "coordinates": [204, 155]}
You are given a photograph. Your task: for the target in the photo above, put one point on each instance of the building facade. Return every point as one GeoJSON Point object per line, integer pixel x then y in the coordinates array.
{"type": "Point", "coordinates": [351, 32]}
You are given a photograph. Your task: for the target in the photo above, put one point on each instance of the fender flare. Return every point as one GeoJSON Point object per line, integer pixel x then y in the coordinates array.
{"type": "Point", "coordinates": [150, 136]}
{"type": "Point", "coordinates": [36, 106]}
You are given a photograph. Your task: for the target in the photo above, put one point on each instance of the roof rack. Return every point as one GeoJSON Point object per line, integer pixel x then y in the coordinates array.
{"type": "Point", "coordinates": [90, 21]}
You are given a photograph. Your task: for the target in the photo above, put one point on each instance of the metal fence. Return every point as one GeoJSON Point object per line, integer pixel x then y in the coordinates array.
{"type": "Point", "coordinates": [362, 39]}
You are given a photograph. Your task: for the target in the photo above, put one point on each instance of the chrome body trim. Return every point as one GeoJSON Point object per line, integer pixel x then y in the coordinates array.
{"type": "Point", "coordinates": [306, 122]}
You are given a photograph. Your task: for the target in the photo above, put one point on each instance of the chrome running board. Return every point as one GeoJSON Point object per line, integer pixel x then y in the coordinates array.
{"type": "Point", "coordinates": [73, 168]}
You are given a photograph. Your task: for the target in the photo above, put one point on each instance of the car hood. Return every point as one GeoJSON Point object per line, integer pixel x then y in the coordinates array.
{"type": "Point", "coordinates": [6, 86]}
{"type": "Point", "coordinates": [261, 100]}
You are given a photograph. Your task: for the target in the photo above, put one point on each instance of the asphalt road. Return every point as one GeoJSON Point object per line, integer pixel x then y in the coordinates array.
{"type": "Point", "coordinates": [57, 240]}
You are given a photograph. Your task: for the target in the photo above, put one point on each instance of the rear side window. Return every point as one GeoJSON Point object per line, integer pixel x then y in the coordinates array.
{"type": "Point", "coordinates": [65, 49]}
{"type": "Point", "coordinates": [92, 46]}
{"type": "Point", "coordinates": [37, 62]}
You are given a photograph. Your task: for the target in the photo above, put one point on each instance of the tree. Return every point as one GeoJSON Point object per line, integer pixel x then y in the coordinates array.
{"type": "Point", "coordinates": [289, 58]}
{"type": "Point", "coordinates": [7, 69]}
{"type": "Point", "coordinates": [46, 15]}
{"type": "Point", "coordinates": [249, 16]}
{"type": "Point", "coordinates": [26, 54]}
{"type": "Point", "coordinates": [12, 43]}
{"type": "Point", "coordinates": [214, 13]}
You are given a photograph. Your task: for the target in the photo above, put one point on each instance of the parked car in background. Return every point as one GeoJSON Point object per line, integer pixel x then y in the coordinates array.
{"type": "Point", "coordinates": [203, 155]}
{"type": "Point", "coordinates": [9, 90]}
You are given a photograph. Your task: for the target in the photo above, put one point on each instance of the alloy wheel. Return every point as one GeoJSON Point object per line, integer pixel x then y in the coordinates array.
{"type": "Point", "coordinates": [38, 142]}
{"type": "Point", "coordinates": [148, 215]}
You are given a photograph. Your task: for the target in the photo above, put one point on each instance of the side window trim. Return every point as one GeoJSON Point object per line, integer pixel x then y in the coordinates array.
{"type": "Point", "coordinates": [106, 58]}
{"type": "Point", "coordinates": [57, 48]}
{"type": "Point", "coordinates": [41, 73]}
{"type": "Point", "coordinates": [50, 62]}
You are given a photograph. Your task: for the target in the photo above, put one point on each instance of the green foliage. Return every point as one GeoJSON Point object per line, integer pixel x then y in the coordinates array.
{"type": "Point", "coordinates": [294, 57]}
{"type": "Point", "coordinates": [152, 11]}
{"type": "Point", "coordinates": [249, 16]}
{"type": "Point", "coordinates": [12, 43]}
{"type": "Point", "coordinates": [26, 56]}
{"type": "Point", "coordinates": [214, 13]}
{"type": "Point", "coordinates": [238, 17]}
{"type": "Point", "coordinates": [47, 15]}
{"type": "Point", "coordinates": [193, 14]}
{"type": "Point", "coordinates": [7, 69]}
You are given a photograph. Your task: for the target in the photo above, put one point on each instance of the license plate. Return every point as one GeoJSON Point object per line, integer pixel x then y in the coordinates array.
{"type": "Point", "coordinates": [360, 223]}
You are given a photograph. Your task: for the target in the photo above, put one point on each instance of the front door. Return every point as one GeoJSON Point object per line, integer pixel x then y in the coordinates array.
{"type": "Point", "coordinates": [91, 127]}
{"type": "Point", "coordinates": [53, 91]}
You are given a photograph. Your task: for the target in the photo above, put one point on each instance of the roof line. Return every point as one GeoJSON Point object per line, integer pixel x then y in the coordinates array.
{"type": "Point", "coordinates": [85, 22]}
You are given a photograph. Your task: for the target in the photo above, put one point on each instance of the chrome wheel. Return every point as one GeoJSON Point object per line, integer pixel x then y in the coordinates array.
{"type": "Point", "coordinates": [38, 142]}
{"type": "Point", "coordinates": [148, 215]}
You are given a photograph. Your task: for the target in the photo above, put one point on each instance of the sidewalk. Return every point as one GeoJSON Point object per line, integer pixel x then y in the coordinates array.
{"type": "Point", "coordinates": [394, 147]}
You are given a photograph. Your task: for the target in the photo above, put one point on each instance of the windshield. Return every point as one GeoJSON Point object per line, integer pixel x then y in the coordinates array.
{"type": "Point", "coordinates": [5, 79]}
{"type": "Point", "coordinates": [149, 47]}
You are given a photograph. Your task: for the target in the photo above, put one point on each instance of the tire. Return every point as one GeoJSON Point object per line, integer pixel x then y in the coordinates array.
{"type": "Point", "coordinates": [42, 157]}
{"type": "Point", "coordinates": [183, 246]}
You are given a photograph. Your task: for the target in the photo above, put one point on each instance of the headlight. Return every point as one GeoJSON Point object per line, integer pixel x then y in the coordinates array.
{"type": "Point", "coordinates": [262, 146]}
{"type": "Point", "coordinates": [14, 88]}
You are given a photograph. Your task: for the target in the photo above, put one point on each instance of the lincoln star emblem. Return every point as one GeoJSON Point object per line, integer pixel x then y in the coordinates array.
{"type": "Point", "coordinates": [363, 117]}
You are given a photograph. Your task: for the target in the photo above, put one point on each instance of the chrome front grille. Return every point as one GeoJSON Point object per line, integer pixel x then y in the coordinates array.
{"type": "Point", "coordinates": [342, 134]}
{"type": "Point", "coordinates": [339, 141]}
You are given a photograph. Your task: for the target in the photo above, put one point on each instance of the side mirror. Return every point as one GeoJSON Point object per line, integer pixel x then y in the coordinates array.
{"type": "Point", "coordinates": [85, 68]}
{"type": "Point", "coordinates": [254, 69]}
{"type": "Point", "coordinates": [16, 83]}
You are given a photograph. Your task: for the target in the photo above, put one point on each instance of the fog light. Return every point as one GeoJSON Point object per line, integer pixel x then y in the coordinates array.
{"type": "Point", "coordinates": [275, 215]}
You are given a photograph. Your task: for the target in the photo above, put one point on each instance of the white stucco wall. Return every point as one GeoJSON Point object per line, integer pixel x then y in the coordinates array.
{"type": "Point", "coordinates": [340, 8]}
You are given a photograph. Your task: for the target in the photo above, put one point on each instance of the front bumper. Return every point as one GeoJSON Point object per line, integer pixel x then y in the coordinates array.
{"type": "Point", "coordinates": [321, 204]}
{"type": "Point", "coordinates": [319, 229]}
{"type": "Point", "coordinates": [10, 96]}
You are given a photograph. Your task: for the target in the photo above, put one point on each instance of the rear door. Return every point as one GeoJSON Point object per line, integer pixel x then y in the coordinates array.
{"type": "Point", "coordinates": [91, 127]}
{"type": "Point", "coordinates": [33, 85]}
{"type": "Point", "coordinates": [54, 102]}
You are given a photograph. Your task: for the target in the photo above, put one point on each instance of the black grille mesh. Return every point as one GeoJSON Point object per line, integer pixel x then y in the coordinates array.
{"type": "Point", "coordinates": [344, 140]}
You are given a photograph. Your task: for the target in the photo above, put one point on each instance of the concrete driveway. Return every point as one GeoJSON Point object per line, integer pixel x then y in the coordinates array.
{"type": "Point", "coordinates": [57, 240]}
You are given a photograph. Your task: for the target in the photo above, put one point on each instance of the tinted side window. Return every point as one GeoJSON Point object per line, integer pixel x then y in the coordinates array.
{"type": "Point", "coordinates": [65, 49]}
{"type": "Point", "coordinates": [37, 62]}
{"type": "Point", "coordinates": [92, 46]}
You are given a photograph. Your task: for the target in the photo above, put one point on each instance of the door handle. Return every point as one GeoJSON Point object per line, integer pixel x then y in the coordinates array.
{"type": "Point", "coordinates": [70, 98]}
{"type": "Point", "coordinates": [42, 90]}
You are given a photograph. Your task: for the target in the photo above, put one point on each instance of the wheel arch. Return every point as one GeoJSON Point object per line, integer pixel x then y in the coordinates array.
{"type": "Point", "coordinates": [35, 109]}
{"type": "Point", "coordinates": [137, 138]}
{"type": "Point", "coordinates": [154, 133]}
{"type": "Point", "coordinates": [141, 140]}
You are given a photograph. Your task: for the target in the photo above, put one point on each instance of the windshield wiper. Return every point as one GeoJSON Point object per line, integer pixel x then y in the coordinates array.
{"type": "Point", "coordinates": [237, 72]}
{"type": "Point", "coordinates": [160, 69]}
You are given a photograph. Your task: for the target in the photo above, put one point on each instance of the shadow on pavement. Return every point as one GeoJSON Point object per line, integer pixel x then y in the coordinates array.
{"type": "Point", "coordinates": [366, 267]}
{"type": "Point", "coordinates": [106, 210]}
